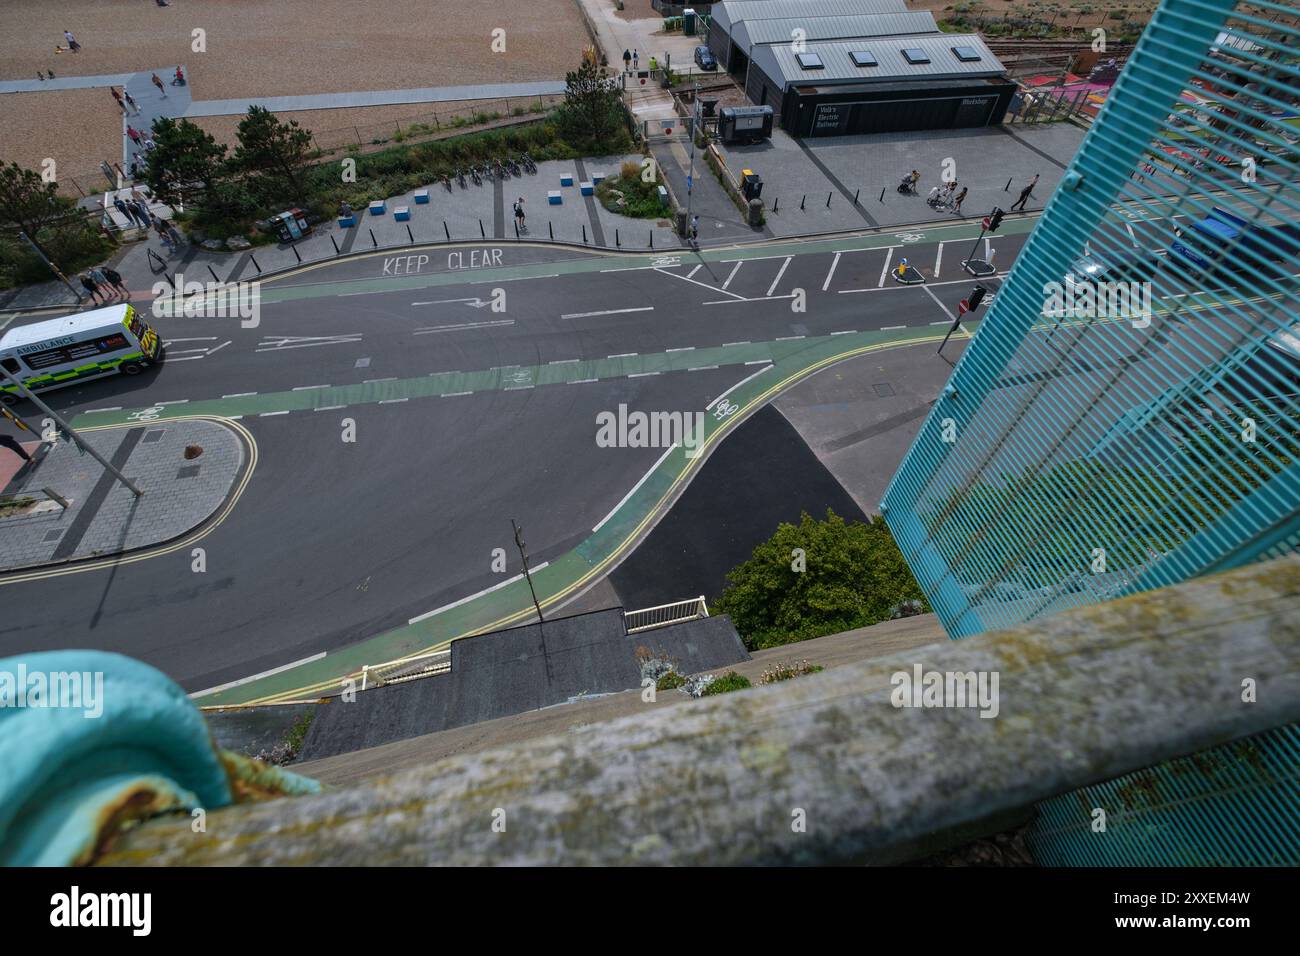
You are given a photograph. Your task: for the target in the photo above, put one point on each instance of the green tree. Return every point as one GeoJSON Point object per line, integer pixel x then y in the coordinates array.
{"type": "Point", "coordinates": [29, 203]}
{"type": "Point", "coordinates": [852, 575]}
{"type": "Point", "coordinates": [189, 166]}
{"type": "Point", "coordinates": [276, 153]}
{"type": "Point", "coordinates": [589, 115]}
{"type": "Point", "coordinates": [63, 233]}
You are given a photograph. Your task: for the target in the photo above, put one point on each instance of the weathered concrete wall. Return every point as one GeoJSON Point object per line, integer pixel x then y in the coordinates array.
{"type": "Point", "coordinates": [1084, 696]}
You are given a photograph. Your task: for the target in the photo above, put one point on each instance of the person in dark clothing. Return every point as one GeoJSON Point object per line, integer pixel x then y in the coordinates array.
{"type": "Point", "coordinates": [88, 284]}
{"type": "Point", "coordinates": [1025, 194]}
{"type": "Point", "coordinates": [627, 61]}
{"type": "Point", "coordinates": [115, 280]}
{"type": "Point", "coordinates": [8, 441]}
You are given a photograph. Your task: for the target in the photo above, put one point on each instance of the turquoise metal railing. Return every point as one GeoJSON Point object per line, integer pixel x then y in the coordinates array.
{"type": "Point", "coordinates": [1094, 455]}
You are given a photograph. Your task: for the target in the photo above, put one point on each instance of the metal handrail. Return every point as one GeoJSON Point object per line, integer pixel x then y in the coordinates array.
{"type": "Point", "coordinates": [663, 615]}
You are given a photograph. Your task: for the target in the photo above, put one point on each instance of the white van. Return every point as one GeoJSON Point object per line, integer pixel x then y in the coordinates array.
{"type": "Point", "coordinates": [76, 348]}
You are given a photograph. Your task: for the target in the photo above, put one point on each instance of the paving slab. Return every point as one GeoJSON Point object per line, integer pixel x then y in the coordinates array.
{"type": "Point", "coordinates": [103, 517]}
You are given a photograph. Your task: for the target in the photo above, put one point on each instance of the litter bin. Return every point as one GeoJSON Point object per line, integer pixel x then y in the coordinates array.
{"type": "Point", "coordinates": [751, 185]}
{"type": "Point", "coordinates": [688, 22]}
{"type": "Point", "coordinates": [290, 225]}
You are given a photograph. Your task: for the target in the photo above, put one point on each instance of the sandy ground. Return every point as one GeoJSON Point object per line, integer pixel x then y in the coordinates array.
{"type": "Point", "coordinates": [91, 126]}
{"type": "Point", "coordinates": [266, 48]}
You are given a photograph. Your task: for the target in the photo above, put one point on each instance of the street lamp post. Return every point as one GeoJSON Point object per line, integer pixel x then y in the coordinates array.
{"type": "Point", "coordinates": [690, 177]}
{"type": "Point", "coordinates": [523, 553]}
{"type": "Point", "coordinates": [66, 428]}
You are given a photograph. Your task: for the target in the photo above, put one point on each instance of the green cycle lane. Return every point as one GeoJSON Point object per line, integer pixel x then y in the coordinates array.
{"type": "Point", "coordinates": [774, 367]}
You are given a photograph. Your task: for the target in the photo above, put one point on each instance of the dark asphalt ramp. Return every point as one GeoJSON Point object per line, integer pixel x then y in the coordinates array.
{"type": "Point", "coordinates": [517, 670]}
{"type": "Point", "coordinates": [762, 474]}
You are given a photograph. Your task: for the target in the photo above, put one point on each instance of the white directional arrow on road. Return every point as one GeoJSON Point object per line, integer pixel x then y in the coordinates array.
{"type": "Point", "coordinates": [475, 302]}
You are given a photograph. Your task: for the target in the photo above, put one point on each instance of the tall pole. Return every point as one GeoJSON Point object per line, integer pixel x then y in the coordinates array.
{"type": "Point", "coordinates": [66, 428]}
{"type": "Point", "coordinates": [53, 268]}
{"type": "Point", "coordinates": [523, 553]}
{"type": "Point", "coordinates": [690, 177]}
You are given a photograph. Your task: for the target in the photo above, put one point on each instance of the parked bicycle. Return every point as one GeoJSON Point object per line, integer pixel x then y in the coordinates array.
{"type": "Point", "coordinates": [512, 166]}
{"type": "Point", "coordinates": [446, 181]}
{"type": "Point", "coordinates": [487, 172]}
{"type": "Point", "coordinates": [460, 177]}
{"type": "Point", "coordinates": [529, 163]}
{"type": "Point", "coordinates": [474, 175]}
{"type": "Point", "coordinates": [500, 170]}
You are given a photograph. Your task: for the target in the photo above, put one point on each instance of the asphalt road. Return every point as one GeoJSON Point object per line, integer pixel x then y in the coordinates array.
{"type": "Point", "coordinates": [332, 541]}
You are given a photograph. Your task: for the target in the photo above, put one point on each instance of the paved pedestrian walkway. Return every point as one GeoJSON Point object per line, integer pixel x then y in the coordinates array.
{"type": "Point", "coordinates": [103, 517]}
{"type": "Point", "coordinates": [338, 101]}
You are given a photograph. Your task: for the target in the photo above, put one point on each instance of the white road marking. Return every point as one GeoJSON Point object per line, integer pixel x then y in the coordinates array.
{"type": "Point", "coordinates": [693, 271]}
{"type": "Point", "coordinates": [938, 259]}
{"type": "Point", "coordinates": [392, 401]}
{"type": "Point", "coordinates": [780, 272]}
{"type": "Point", "coordinates": [612, 511]}
{"type": "Point", "coordinates": [686, 348]}
{"type": "Point", "coordinates": [623, 355]}
{"type": "Point", "coordinates": [563, 361]}
{"type": "Point", "coordinates": [185, 358]}
{"type": "Point", "coordinates": [734, 270]}
{"type": "Point", "coordinates": [767, 362]}
{"type": "Point", "coordinates": [219, 347]}
{"type": "Point", "coordinates": [587, 315]}
{"type": "Point", "coordinates": [641, 374]}
{"type": "Point", "coordinates": [307, 388]}
{"type": "Point", "coordinates": [834, 262]}
{"type": "Point", "coordinates": [892, 328]}
{"type": "Point", "coordinates": [462, 327]}
{"type": "Point", "coordinates": [496, 587]}
{"type": "Point", "coordinates": [454, 394]}
{"type": "Point", "coordinates": [269, 414]}
{"type": "Point", "coordinates": [946, 310]}
{"type": "Point", "coordinates": [884, 270]}
{"type": "Point", "coordinates": [727, 345]}
{"type": "Point", "coordinates": [174, 401]}
{"type": "Point", "coordinates": [788, 338]}
{"type": "Point", "coordinates": [741, 298]}
{"type": "Point", "coordinates": [704, 284]}
{"type": "Point", "coordinates": [328, 408]}
{"type": "Point", "coordinates": [752, 259]}
{"type": "Point", "coordinates": [114, 408]}
{"type": "Point", "coordinates": [371, 381]}
{"type": "Point", "coordinates": [247, 680]}
{"type": "Point", "coordinates": [239, 395]}
{"type": "Point", "coordinates": [282, 343]}
{"type": "Point", "coordinates": [701, 368]}
{"type": "Point", "coordinates": [846, 332]}
{"type": "Point", "coordinates": [516, 388]}
{"type": "Point", "coordinates": [584, 381]}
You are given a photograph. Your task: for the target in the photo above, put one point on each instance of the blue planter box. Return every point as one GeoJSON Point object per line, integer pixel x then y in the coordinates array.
{"type": "Point", "coordinates": [554, 197]}
{"type": "Point", "coordinates": [402, 213]}
{"type": "Point", "coordinates": [422, 197]}
{"type": "Point", "coordinates": [597, 178]}
{"type": "Point", "coordinates": [377, 208]}
{"type": "Point", "coordinates": [347, 222]}
{"type": "Point", "coordinates": [566, 179]}
{"type": "Point", "coordinates": [586, 189]}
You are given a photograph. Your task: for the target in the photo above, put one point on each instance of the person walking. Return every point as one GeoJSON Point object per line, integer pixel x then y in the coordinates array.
{"type": "Point", "coordinates": [157, 81]}
{"type": "Point", "coordinates": [636, 60]}
{"type": "Point", "coordinates": [695, 229]}
{"type": "Point", "coordinates": [115, 280]}
{"type": "Point", "coordinates": [160, 227]}
{"type": "Point", "coordinates": [88, 284]}
{"type": "Point", "coordinates": [121, 207]}
{"type": "Point", "coordinates": [140, 211]}
{"type": "Point", "coordinates": [627, 61]}
{"type": "Point", "coordinates": [101, 282]}
{"type": "Point", "coordinates": [130, 101]}
{"type": "Point", "coordinates": [118, 97]}
{"type": "Point", "coordinates": [133, 133]}
{"type": "Point", "coordinates": [8, 441]}
{"type": "Point", "coordinates": [519, 213]}
{"type": "Point", "coordinates": [179, 78]}
{"type": "Point", "coordinates": [961, 197]}
{"type": "Point", "coordinates": [73, 45]}
{"type": "Point", "coordinates": [1025, 194]}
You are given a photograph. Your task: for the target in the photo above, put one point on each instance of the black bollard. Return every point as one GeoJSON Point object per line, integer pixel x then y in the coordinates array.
{"type": "Point", "coordinates": [481, 230]}
{"type": "Point", "coordinates": [214, 275]}
{"type": "Point", "coordinates": [295, 253]}
{"type": "Point", "coordinates": [882, 193]}
{"type": "Point", "coordinates": [1007, 186]}
{"type": "Point", "coordinates": [446, 230]}
{"type": "Point", "coordinates": [550, 226]}
{"type": "Point", "coordinates": [828, 200]}
{"type": "Point", "coordinates": [253, 260]}
{"type": "Point", "coordinates": [408, 234]}
{"type": "Point", "coordinates": [584, 233]}
{"type": "Point", "coordinates": [803, 200]}
{"type": "Point", "coordinates": [374, 243]}
{"type": "Point", "coordinates": [617, 243]}
{"type": "Point", "coordinates": [855, 196]}
{"type": "Point", "coordinates": [516, 228]}
{"type": "Point", "coordinates": [776, 203]}
{"type": "Point", "coordinates": [336, 245]}
{"type": "Point", "coordinates": [652, 238]}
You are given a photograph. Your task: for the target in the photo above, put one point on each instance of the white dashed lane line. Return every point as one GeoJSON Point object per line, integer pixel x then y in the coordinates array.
{"type": "Point", "coordinates": [239, 395]}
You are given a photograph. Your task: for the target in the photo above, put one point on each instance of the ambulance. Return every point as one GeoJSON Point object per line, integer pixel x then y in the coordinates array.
{"type": "Point", "coordinates": [77, 348]}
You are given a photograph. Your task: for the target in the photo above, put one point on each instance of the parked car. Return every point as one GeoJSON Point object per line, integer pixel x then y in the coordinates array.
{"type": "Point", "coordinates": [705, 59]}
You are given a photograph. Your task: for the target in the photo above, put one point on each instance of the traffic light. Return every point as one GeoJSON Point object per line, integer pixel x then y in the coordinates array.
{"type": "Point", "coordinates": [977, 295]}
{"type": "Point", "coordinates": [996, 219]}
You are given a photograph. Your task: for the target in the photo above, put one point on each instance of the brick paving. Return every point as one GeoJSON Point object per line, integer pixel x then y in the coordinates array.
{"type": "Point", "coordinates": [103, 517]}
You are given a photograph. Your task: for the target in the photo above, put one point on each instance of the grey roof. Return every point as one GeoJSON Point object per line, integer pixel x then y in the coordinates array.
{"type": "Point", "coordinates": [748, 32]}
{"type": "Point", "coordinates": [731, 12]}
{"type": "Point", "coordinates": [778, 61]}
